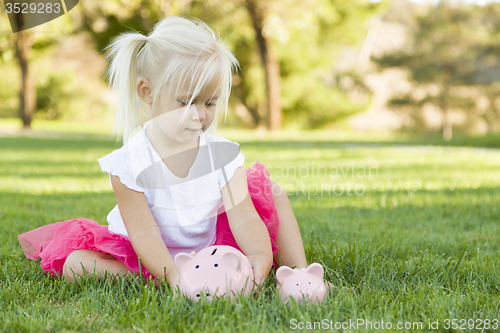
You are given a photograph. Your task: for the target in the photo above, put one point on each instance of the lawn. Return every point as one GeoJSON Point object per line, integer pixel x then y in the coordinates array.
{"type": "Point", "coordinates": [408, 232]}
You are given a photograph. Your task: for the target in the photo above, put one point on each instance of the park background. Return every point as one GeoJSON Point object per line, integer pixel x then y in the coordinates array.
{"type": "Point", "coordinates": [380, 119]}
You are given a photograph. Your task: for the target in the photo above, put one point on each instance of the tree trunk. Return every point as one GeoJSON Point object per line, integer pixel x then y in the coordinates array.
{"type": "Point", "coordinates": [28, 92]}
{"type": "Point", "coordinates": [271, 67]}
{"type": "Point", "coordinates": [447, 126]}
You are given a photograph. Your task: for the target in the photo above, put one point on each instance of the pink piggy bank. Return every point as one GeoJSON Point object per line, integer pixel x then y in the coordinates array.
{"type": "Point", "coordinates": [215, 271]}
{"type": "Point", "coordinates": [303, 282]}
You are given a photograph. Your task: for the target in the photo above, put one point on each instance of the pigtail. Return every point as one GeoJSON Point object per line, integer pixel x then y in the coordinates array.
{"type": "Point", "coordinates": [122, 75]}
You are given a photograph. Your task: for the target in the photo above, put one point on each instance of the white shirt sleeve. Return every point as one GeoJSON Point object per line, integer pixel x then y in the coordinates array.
{"type": "Point", "coordinates": [117, 163]}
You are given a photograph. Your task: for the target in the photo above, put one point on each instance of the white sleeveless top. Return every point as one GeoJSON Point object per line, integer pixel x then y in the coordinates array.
{"type": "Point", "coordinates": [185, 209]}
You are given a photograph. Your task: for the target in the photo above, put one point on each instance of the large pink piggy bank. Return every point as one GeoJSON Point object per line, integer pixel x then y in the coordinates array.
{"type": "Point", "coordinates": [215, 271]}
{"type": "Point", "coordinates": [303, 282]}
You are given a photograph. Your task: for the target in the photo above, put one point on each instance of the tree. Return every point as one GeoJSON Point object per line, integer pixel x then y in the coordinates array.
{"type": "Point", "coordinates": [270, 61]}
{"type": "Point", "coordinates": [296, 43]}
{"type": "Point", "coordinates": [287, 49]}
{"type": "Point", "coordinates": [27, 93]}
{"type": "Point", "coordinates": [27, 45]}
{"type": "Point", "coordinates": [453, 47]}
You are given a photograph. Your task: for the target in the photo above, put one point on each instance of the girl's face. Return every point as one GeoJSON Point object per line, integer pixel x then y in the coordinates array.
{"type": "Point", "coordinates": [168, 111]}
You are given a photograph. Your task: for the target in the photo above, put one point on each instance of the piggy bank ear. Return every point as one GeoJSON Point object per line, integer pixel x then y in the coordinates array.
{"type": "Point", "coordinates": [233, 258]}
{"type": "Point", "coordinates": [283, 272]}
{"type": "Point", "coordinates": [181, 259]}
{"type": "Point", "coordinates": [316, 270]}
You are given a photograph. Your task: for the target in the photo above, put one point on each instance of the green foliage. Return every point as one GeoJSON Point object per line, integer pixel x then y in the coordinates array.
{"type": "Point", "coordinates": [9, 92]}
{"type": "Point", "coordinates": [308, 61]}
{"type": "Point", "coordinates": [312, 103]}
{"type": "Point", "coordinates": [308, 37]}
{"type": "Point", "coordinates": [52, 92]}
{"type": "Point", "coordinates": [453, 47]}
{"type": "Point", "coordinates": [55, 93]}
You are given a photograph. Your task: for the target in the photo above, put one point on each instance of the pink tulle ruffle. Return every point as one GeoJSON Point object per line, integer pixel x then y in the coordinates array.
{"type": "Point", "coordinates": [54, 242]}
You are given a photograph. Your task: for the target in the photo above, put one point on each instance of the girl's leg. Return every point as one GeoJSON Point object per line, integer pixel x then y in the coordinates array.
{"type": "Point", "coordinates": [289, 242]}
{"type": "Point", "coordinates": [92, 261]}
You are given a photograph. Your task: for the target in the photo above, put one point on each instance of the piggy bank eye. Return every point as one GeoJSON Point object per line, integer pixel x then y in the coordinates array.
{"type": "Point", "coordinates": [309, 282]}
{"type": "Point", "coordinates": [208, 294]}
{"type": "Point", "coordinates": [297, 284]}
{"type": "Point", "coordinates": [197, 266]}
{"type": "Point", "coordinates": [216, 265]}
{"type": "Point", "coordinates": [197, 295]}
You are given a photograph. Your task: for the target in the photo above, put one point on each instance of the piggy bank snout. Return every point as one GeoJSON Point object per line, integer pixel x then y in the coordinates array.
{"type": "Point", "coordinates": [215, 271]}
{"type": "Point", "coordinates": [204, 293]}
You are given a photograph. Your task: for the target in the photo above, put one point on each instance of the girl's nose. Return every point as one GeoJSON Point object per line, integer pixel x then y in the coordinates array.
{"type": "Point", "coordinates": [200, 112]}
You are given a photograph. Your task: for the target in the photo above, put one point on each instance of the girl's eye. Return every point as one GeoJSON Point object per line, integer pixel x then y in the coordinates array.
{"type": "Point", "coordinates": [185, 103]}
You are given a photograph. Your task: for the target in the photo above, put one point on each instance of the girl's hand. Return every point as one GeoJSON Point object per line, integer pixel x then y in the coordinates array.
{"type": "Point", "coordinates": [261, 265]}
{"type": "Point", "coordinates": [174, 278]}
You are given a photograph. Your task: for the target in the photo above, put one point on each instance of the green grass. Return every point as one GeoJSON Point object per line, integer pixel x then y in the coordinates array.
{"type": "Point", "coordinates": [419, 242]}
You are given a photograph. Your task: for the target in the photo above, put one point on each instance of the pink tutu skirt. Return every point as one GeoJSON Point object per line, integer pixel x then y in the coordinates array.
{"type": "Point", "coordinates": [51, 244]}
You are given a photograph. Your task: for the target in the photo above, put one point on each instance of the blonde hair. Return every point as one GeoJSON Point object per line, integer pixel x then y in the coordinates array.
{"type": "Point", "coordinates": [177, 49]}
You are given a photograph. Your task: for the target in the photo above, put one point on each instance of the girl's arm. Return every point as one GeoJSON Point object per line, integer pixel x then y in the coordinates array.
{"type": "Point", "coordinates": [246, 225]}
{"type": "Point", "coordinates": [143, 232]}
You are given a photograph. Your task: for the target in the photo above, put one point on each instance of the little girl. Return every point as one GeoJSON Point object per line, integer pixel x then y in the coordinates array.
{"type": "Point", "coordinates": [177, 187]}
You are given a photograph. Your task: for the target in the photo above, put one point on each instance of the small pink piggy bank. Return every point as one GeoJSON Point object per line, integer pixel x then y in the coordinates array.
{"type": "Point", "coordinates": [215, 271]}
{"type": "Point", "coordinates": [303, 282]}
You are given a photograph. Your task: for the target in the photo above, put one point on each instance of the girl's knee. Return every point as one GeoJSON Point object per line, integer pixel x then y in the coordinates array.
{"type": "Point", "coordinates": [69, 267]}
{"type": "Point", "coordinates": [76, 261]}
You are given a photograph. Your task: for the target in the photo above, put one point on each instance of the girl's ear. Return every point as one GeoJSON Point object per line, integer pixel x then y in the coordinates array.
{"type": "Point", "coordinates": [181, 259]}
{"type": "Point", "coordinates": [283, 272]}
{"type": "Point", "coordinates": [316, 269]}
{"type": "Point", "coordinates": [144, 91]}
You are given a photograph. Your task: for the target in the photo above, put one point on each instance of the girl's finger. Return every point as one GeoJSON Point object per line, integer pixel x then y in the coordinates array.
{"type": "Point", "coordinates": [259, 281]}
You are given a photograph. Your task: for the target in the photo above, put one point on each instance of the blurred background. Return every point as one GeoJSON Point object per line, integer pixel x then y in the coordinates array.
{"type": "Point", "coordinates": [425, 68]}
